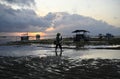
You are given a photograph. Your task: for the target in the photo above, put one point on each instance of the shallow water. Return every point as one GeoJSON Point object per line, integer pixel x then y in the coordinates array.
{"type": "Point", "coordinates": [72, 53]}
{"type": "Point", "coordinates": [32, 62]}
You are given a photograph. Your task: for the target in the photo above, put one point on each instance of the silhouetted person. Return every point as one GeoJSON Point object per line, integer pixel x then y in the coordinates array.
{"type": "Point", "coordinates": [58, 42]}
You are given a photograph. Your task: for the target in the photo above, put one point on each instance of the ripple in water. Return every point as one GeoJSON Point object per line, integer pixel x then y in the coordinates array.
{"type": "Point", "coordinates": [55, 67]}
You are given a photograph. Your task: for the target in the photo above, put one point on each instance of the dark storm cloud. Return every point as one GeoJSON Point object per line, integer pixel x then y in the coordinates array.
{"type": "Point", "coordinates": [20, 2]}
{"type": "Point", "coordinates": [20, 20]}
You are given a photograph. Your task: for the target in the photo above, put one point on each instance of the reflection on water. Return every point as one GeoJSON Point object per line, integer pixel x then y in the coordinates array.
{"type": "Point", "coordinates": [32, 62]}
{"type": "Point", "coordinates": [102, 53]}
{"type": "Point", "coordinates": [72, 53]}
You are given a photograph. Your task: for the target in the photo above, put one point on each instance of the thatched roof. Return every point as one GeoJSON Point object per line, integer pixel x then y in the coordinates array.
{"type": "Point", "coordinates": [76, 31]}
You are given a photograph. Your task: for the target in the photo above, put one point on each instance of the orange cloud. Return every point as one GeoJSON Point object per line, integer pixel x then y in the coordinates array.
{"type": "Point", "coordinates": [49, 29]}
{"type": "Point", "coordinates": [35, 33]}
{"type": "Point", "coordinates": [22, 33]}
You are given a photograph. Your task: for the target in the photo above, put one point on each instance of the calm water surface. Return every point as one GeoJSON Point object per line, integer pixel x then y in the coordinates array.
{"type": "Point", "coordinates": [72, 53]}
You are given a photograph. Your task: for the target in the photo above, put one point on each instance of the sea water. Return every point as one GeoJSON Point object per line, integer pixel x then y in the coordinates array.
{"type": "Point", "coordinates": [26, 50]}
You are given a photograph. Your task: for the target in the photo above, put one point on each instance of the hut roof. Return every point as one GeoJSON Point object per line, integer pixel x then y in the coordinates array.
{"type": "Point", "coordinates": [76, 31]}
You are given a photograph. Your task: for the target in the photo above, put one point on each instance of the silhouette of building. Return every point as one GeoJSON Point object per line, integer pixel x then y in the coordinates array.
{"type": "Point", "coordinates": [37, 37]}
{"type": "Point", "coordinates": [25, 37]}
{"type": "Point", "coordinates": [80, 35]}
{"type": "Point", "coordinates": [80, 38]}
{"type": "Point", "coordinates": [108, 36]}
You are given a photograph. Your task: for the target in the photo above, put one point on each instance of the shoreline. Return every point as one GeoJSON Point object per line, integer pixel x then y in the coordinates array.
{"type": "Point", "coordinates": [114, 47]}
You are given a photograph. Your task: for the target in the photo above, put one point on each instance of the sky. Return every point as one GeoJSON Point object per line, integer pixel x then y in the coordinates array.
{"type": "Point", "coordinates": [51, 16]}
{"type": "Point", "coordinates": [107, 10]}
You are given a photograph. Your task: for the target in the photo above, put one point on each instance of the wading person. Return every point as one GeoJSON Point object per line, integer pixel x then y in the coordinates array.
{"type": "Point", "coordinates": [58, 43]}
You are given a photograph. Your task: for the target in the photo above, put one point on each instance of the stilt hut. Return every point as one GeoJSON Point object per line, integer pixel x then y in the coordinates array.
{"type": "Point", "coordinates": [80, 37]}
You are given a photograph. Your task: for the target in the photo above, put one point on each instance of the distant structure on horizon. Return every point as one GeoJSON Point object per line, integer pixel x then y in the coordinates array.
{"type": "Point", "coordinates": [25, 37]}
{"type": "Point", "coordinates": [37, 37]}
{"type": "Point", "coordinates": [81, 37]}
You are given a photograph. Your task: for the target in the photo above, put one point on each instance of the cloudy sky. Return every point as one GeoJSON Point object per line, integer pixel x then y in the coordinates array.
{"type": "Point", "coordinates": [51, 16]}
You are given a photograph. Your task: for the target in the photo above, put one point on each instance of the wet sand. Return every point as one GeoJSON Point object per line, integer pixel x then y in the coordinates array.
{"type": "Point", "coordinates": [34, 62]}
{"type": "Point", "coordinates": [55, 67]}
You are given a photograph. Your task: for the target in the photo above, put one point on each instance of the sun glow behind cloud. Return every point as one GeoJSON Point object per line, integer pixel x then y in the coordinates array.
{"type": "Point", "coordinates": [51, 17]}
{"type": "Point", "coordinates": [42, 34]}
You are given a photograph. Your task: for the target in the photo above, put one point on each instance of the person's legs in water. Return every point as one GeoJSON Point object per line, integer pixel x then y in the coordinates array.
{"type": "Point", "coordinates": [56, 53]}
{"type": "Point", "coordinates": [56, 49]}
{"type": "Point", "coordinates": [60, 49]}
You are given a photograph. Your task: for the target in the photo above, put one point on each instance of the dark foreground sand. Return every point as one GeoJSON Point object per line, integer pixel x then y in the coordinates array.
{"type": "Point", "coordinates": [54, 67]}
